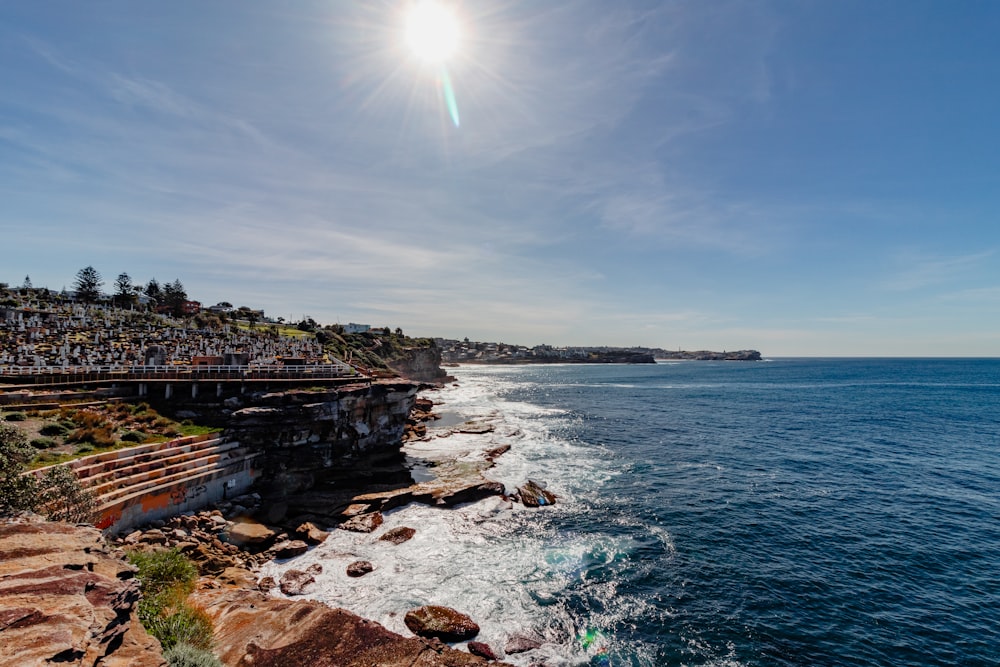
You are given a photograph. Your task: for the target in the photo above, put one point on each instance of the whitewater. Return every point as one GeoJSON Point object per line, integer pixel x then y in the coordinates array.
{"type": "Point", "coordinates": [798, 512]}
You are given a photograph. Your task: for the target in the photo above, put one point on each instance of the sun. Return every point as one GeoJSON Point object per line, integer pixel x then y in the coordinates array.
{"type": "Point", "coordinates": [432, 32]}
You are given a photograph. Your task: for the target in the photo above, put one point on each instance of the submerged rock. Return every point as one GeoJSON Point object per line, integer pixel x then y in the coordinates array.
{"type": "Point", "coordinates": [359, 568]}
{"type": "Point", "coordinates": [440, 622]}
{"type": "Point", "coordinates": [363, 523]}
{"type": "Point", "coordinates": [294, 582]}
{"type": "Point", "coordinates": [521, 644]}
{"type": "Point", "coordinates": [398, 535]}
{"type": "Point", "coordinates": [534, 494]}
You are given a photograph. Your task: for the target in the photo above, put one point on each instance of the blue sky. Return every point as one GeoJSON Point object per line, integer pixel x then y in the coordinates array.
{"type": "Point", "coordinates": [803, 178]}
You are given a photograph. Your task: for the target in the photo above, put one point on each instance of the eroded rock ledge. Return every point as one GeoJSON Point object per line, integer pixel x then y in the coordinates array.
{"type": "Point", "coordinates": [66, 598]}
{"type": "Point", "coordinates": [254, 629]}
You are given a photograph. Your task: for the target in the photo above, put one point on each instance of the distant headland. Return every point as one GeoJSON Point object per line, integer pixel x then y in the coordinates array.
{"type": "Point", "coordinates": [471, 352]}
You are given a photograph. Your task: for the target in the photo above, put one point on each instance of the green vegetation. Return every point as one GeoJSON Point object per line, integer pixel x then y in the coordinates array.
{"type": "Point", "coordinates": [185, 655]}
{"type": "Point", "coordinates": [57, 494]}
{"type": "Point", "coordinates": [15, 417]}
{"type": "Point", "coordinates": [166, 578]}
{"type": "Point", "coordinates": [44, 443]}
{"type": "Point", "coordinates": [372, 349]}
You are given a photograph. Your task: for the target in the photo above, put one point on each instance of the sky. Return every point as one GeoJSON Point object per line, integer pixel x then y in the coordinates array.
{"type": "Point", "coordinates": [804, 178]}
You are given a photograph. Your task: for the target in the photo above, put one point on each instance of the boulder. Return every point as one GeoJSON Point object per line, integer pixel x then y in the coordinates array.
{"type": "Point", "coordinates": [482, 650]}
{"type": "Point", "coordinates": [266, 584]}
{"type": "Point", "coordinates": [294, 582]}
{"type": "Point", "coordinates": [309, 532]}
{"type": "Point", "coordinates": [521, 644]}
{"type": "Point", "coordinates": [398, 535]}
{"type": "Point", "coordinates": [359, 568]}
{"type": "Point", "coordinates": [250, 534]}
{"type": "Point", "coordinates": [289, 549]}
{"type": "Point", "coordinates": [363, 523]}
{"type": "Point", "coordinates": [444, 623]}
{"type": "Point", "coordinates": [534, 494]}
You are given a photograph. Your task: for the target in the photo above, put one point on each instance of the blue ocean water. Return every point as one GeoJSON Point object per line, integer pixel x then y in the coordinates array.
{"type": "Point", "coordinates": [818, 512]}
{"type": "Point", "coordinates": [790, 512]}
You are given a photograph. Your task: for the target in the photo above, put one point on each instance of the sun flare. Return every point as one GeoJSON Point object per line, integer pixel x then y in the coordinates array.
{"type": "Point", "coordinates": [432, 32]}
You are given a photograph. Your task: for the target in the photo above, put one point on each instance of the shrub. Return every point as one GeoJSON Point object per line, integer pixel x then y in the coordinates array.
{"type": "Point", "coordinates": [166, 578]}
{"type": "Point", "coordinates": [185, 655]}
{"type": "Point", "coordinates": [62, 498]}
{"type": "Point", "coordinates": [186, 625]}
{"type": "Point", "coordinates": [85, 448]}
{"type": "Point", "coordinates": [133, 436]}
{"type": "Point", "coordinates": [54, 429]}
{"type": "Point", "coordinates": [43, 443]}
{"type": "Point", "coordinates": [17, 491]}
{"type": "Point", "coordinates": [15, 416]}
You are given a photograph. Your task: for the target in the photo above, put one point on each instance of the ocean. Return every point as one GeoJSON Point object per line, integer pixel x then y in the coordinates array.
{"type": "Point", "coordinates": [785, 512]}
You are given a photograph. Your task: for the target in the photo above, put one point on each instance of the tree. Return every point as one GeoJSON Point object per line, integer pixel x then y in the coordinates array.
{"type": "Point", "coordinates": [88, 284]}
{"type": "Point", "coordinates": [153, 291]}
{"type": "Point", "coordinates": [175, 296]}
{"type": "Point", "coordinates": [58, 494]}
{"type": "Point", "coordinates": [123, 289]}
{"type": "Point", "coordinates": [27, 283]}
{"type": "Point", "coordinates": [17, 492]}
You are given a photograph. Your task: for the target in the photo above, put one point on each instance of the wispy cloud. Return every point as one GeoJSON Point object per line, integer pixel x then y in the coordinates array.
{"type": "Point", "coordinates": [916, 270]}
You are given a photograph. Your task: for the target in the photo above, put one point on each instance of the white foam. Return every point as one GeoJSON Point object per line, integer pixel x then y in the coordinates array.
{"type": "Point", "coordinates": [507, 566]}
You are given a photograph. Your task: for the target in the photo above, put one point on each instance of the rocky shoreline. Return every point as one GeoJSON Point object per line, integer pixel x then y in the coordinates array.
{"type": "Point", "coordinates": [231, 542]}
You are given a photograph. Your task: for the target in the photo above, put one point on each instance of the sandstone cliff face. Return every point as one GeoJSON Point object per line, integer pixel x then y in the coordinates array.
{"type": "Point", "coordinates": [421, 364]}
{"type": "Point", "coordinates": [254, 630]}
{"type": "Point", "coordinates": [310, 436]}
{"type": "Point", "coordinates": [64, 598]}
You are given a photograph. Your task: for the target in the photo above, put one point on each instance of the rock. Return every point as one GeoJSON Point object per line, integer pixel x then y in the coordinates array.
{"type": "Point", "coordinates": [64, 598]}
{"type": "Point", "coordinates": [253, 629]}
{"type": "Point", "coordinates": [359, 568]}
{"type": "Point", "coordinates": [534, 495]}
{"type": "Point", "coordinates": [398, 535]}
{"type": "Point", "coordinates": [492, 454]}
{"type": "Point", "coordinates": [521, 644]}
{"type": "Point", "coordinates": [237, 576]}
{"type": "Point", "coordinates": [249, 533]}
{"type": "Point", "coordinates": [443, 623]}
{"type": "Point", "coordinates": [363, 523]}
{"type": "Point", "coordinates": [153, 536]}
{"type": "Point", "coordinates": [482, 650]}
{"type": "Point", "coordinates": [470, 493]}
{"type": "Point", "coordinates": [289, 549]}
{"type": "Point", "coordinates": [311, 534]}
{"type": "Point", "coordinates": [294, 582]}
{"type": "Point", "coordinates": [315, 568]}
{"type": "Point", "coordinates": [266, 584]}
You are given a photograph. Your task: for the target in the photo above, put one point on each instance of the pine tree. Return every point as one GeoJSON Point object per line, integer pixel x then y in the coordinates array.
{"type": "Point", "coordinates": [88, 284]}
{"type": "Point", "coordinates": [123, 289]}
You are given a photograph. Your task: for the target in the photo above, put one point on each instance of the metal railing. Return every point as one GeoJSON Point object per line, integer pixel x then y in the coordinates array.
{"type": "Point", "coordinates": [61, 374]}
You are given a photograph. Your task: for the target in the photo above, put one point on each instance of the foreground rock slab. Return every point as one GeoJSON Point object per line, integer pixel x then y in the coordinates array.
{"type": "Point", "coordinates": [66, 599]}
{"type": "Point", "coordinates": [442, 623]}
{"type": "Point", "coordinates": [252, 629]}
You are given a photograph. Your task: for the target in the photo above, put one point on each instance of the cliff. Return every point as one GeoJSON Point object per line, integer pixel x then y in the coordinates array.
{"type": "Point", "coordinates": [420, 364]}
{"type": "Point", "coordinates": [308, 437]}
{"type": "Point", "coordinates": [65, 598]}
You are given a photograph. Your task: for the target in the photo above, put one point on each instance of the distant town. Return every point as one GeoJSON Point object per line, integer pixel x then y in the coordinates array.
{"type": "Point", "coordinates": [466, 351]}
